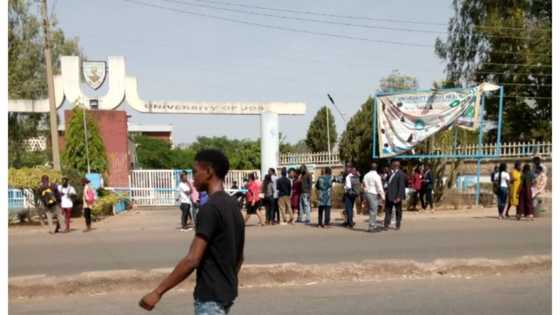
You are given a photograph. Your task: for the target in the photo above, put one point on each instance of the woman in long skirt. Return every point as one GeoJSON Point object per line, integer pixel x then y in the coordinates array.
{"type": "Point", "coordinates": [525, 207]}
{"type": "Point", "coordinates": [514, 187]}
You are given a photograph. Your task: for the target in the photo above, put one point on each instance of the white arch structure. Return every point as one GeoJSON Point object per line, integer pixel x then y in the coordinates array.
{"type": "Point", "coordinates": [123, 87]}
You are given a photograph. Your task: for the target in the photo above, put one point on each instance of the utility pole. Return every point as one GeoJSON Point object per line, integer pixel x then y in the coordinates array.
{"type": "Point", "coordinates": [328, 133]}
{"type": "Point", "coordinates": [50, 85]}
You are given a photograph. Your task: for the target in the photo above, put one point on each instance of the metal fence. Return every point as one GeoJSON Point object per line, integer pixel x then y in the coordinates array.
{"type": "Point", "coordinates": [20, 199]}
{"type": "Point", "coordinates": [471, 151]}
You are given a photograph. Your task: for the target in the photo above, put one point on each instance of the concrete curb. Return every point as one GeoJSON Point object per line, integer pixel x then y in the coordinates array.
{"type": "Point", "coordinates": [279, 275]}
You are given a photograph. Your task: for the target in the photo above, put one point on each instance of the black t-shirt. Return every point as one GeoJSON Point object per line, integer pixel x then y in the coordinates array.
{"type": "Point", "coordinates": [219, 221]}
{"type": "Point", "coordinates": [284, 186]}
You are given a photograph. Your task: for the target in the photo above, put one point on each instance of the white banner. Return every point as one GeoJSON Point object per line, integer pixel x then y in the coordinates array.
{"type": "Point", "coordinates": [404, 120]}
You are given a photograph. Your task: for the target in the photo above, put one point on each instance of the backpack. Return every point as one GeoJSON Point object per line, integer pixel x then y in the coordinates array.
{"type": "Point", "coordinates": [90, 196]}
{"type": "Point", "coordinates": [496, 183]}
{"type": "Point", "coordinates": [356, 187]}
{"type": "Point", "coordinates": [48, 197]}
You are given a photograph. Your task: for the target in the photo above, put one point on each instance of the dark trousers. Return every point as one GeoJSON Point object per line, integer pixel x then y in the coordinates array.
{"type": "Point", "coordinates": [349, 207]}
{"type": "Point", "coordinates": [87, 216]}
{"type": "Point", "coordinates": [269, 205]}
{"type": "Point", "coordinates": [502, 199]}
{"type": "Point", "coordinates": [276, 211]}
{"type": "Point", "coordinates": [327, 211]}
{"type": "Point", "coordinates": [389, 212]}
{"type": "Point", "coordinates": [426, 198]}
{"type": "Point", "coordinates": [185, 214]}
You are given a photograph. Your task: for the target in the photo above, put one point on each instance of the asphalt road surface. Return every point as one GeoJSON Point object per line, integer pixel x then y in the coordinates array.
{"type": "Point", "coordinates": [150, 239]}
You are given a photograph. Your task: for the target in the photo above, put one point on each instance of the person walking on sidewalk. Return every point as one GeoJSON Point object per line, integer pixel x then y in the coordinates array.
{"type": "Point", "coordinates": [324, 188]}
{"type": "Point", "coordinates": [269, 202]}
{"type": "Point", "coordinates": [352, 188]}
{"type": "Point", "coordinates": [216, 252]}
{"type": "Point", "coordinates": [184, 191]}
{"type": "Point", "coordinates": [426, 191]}
{"type": "Point", "coordinates": [305, 204]}
{"type": "Point", "coordinates": [501, 187]}
{"type": "Point", "coordinates": [525, 207]}
{"type": "Point", "coordinates": [88, 202]}
{"type": "Point", "coordinates": [253, 199]}
{"type": "Point", "coordinates": [49, 201]}
{"type": "Point", "coordinates": [395, 195]}
{"type": "Point", "coordinates": [374, 195]}
{"type": "Point", "coordinates": [295, 198]}
{"type": "Point", "coordinates": [67, 195]}
{"type": "Point", "coordinates": [284, 188]}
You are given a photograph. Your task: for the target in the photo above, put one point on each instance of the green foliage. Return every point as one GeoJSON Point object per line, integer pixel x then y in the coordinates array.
{"type": "Point", "coordinates": [397, 81]}
{"type": "Point", "coordinates": [317, 133]}
{"type": "Point", "coordinates": [157, 154]}
{"type": "Point", "coordinates": [104, 204]}
{"type": "Point", "coordinates": [505, 42]}
{"type": "Point", "coordinates": [27, 78]}
{"type": "Point", "coordinates": [30, 178]}
{"type": "Point", "coordinates": [356, 141]}
{"type": "Point", "coordinates": [74, 155]}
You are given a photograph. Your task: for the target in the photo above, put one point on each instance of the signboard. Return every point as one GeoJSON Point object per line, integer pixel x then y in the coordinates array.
{"type": "Point", "coordinates": [406, 119]}
{"type": "Point", "coordinates": [94, 73]}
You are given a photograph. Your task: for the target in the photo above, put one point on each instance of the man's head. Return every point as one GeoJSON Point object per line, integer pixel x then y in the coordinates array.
{"type": "Point", "coordinates": [45, 180]}
{"type": "Point", "coordinates": [65, 181]}
{"type": "Point", "coordinates": [395, 164]}
{"type": "Point", "coordinates": [184, 178]}
{"type": "Point", "coordinates": [271, 171]}
{"type": "Point", "coordinates": [537, 159]}
{"type": "Point", "coordinates": [292, 172]}
{"type": "Point", "coordinates": [284, 172]}
{"type": "Point", "coordinates": [211, 166]}
{"type": "Point", "coordinates": [328, 171]}
{"type": "Point", "coordinates": [373, 166]}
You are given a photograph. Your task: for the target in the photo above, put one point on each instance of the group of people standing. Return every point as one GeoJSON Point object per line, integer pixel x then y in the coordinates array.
{"type": "Point", "coordinates": [521, 188]}
{"type": "Point", "coordinates": [57, 202]}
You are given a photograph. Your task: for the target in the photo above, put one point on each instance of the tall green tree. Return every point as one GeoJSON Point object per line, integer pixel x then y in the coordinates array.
{"type": "Point", "coordinates": [316, 139]}
{"type": "Point", "coordinates": [510, 43]}
{"type": "Point", "coordinates": [26, 74]}
{"type": "Point", "coordinates": [75, 154]}
{"type": "Point", "coordinates": [356, 141]}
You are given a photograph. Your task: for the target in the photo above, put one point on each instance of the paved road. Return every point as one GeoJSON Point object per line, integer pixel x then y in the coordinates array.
{"type": "Point", "coordinates": [523, 294]}
{"type": "Point", "coordinates": [150, 240]}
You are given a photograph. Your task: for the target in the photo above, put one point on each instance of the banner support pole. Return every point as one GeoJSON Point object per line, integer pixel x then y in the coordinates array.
{"type": "Point", "coordinates": [479, 152]}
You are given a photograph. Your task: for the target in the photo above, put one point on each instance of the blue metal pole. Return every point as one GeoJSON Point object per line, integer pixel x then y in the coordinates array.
{"type": "Point", "coordinates": [500, 117]}
{"type": "Point", "coordinates": [374, 128]}
{"type": "Point", "coordinates": [479, 152]}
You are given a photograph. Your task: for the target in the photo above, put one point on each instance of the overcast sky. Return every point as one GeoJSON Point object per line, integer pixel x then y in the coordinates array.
{"type": "Point", "coordinates": [176, 56]}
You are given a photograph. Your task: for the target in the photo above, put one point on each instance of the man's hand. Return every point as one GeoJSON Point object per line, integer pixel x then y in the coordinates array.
{"type": "Point", "coordinates": [397, 200]}
{"type": "Point", "coordinates": [149, 301]}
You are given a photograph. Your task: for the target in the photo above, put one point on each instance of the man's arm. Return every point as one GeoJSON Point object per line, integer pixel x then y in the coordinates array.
{"type": "Point", "coordinates": [183, 269]}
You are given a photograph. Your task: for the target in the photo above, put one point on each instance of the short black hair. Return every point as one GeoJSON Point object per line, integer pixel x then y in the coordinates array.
{"type": "Point", "coordinates": [284, 172]}
{"type": "Point", "coordinates": [216, 160]}
{"type": "Point", "coordinates": [328, 171]}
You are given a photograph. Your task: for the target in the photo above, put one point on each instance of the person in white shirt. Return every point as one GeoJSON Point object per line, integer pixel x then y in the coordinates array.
{"type": "Point", "coordinates": [67, 193]}
{"type": "Point", "coordinates": [502, 180]}
{"type": "Point", "coordinates": [374, 194]}
{"type": "Point", "coordinates": [184, 191]}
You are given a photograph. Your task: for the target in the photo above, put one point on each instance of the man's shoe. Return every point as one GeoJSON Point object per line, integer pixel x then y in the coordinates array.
{"type": "Point", "coordinates": [397, 228]}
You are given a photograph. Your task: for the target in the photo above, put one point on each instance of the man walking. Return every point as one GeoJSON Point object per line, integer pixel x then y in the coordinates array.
{"type": "Point", "coordinates": [275, 211]}
{"type": "Point", "coordinates": [352, 190]}
{"type": "Point", "coordinates": [184, 191]}
{"type": "Point", "coordinates": [49, 198]}
{"type": "Point", "coordinates": [374, 195]}
{"type": "Point", "coordinates": [395, 194]}
{"type": "Point", "coordinates": [284, 189]}
{"type": "Point", "coordinates": [217, 249]}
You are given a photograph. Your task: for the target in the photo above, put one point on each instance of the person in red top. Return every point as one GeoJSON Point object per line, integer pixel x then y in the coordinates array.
{"type": "Point", "coordinates": [416, 184]}
{"type": "Point", "coordinates": [253, 199]}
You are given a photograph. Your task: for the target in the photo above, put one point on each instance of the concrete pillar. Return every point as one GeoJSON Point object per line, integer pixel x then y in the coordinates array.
{"type": "Point", "coordinates": [270, 142]}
